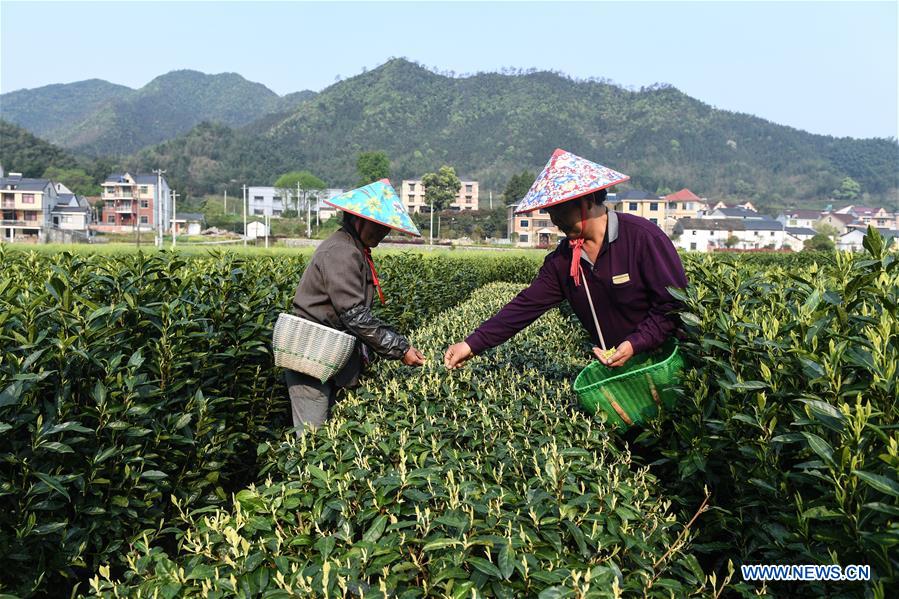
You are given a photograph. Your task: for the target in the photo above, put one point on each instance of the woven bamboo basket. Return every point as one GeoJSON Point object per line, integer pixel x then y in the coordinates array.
{"type": "Point", "coordinates": [309, 347]}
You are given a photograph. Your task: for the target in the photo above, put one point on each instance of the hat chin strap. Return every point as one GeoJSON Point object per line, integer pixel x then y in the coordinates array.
{"type": "Point", "coordinates": [371, 264]}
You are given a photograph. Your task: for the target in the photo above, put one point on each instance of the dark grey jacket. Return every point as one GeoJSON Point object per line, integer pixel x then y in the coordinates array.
{"type": "Point", "coordinates": [337, 290]}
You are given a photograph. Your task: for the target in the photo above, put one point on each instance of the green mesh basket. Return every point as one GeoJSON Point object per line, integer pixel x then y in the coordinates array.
{"type": "Point", "coordinates": [631, 394]}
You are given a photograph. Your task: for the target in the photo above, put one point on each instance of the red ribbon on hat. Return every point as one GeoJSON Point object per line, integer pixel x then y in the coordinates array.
{"type": "Point", "coordinates": [577, 245]}
{"type": "Point", "coordinates": [374, 274]}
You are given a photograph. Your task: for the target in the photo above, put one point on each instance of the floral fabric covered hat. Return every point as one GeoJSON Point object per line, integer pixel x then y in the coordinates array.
{"type": "Point", "coordinates": [567, 177]}
{"type": "Point", "coordinates": [377, 202]}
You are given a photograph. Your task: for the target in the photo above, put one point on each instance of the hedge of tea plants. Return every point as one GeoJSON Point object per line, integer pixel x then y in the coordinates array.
{"type": "Point", "coordinates": [484, 482]}
{"type": "Point", "coordinates": [125, 380]}
{"type": "Point", "coordinates": [790, 415]}
{"type": "Point", "coordinates": [143, 447]}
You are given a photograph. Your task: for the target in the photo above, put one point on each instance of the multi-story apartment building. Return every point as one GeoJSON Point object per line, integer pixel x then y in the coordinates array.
{"type": "Point", "coordinates": [130, 201]}
{"type": "Point", "coordinates": [412, 193]}
{"type": "Point", "coordinates": [26, 205]}
{"type": "Point", "coordinates": [534, 229]}
{"type": "Point", "coordinates": [640, 203]}
{"type": "Point", "coordinates": [263, 200]}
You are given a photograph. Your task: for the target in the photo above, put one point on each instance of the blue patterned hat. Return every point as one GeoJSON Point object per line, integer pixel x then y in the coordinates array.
{"type": "Point", "coordinates": [377, 202]}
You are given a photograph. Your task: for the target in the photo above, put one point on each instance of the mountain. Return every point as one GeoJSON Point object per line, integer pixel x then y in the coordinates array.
{"type": "Point", "coordinates": [489, 126]}
{"type": "Point", "coordinates": [24, 153]}
{"type": "Point", "coordinates": [48, 111]}
{"type": "Point", "coordinates": [123, 120]}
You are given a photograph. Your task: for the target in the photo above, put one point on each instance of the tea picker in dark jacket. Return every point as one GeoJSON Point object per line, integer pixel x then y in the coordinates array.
{"type": "Point", "coordinates": [337, 290]}
{"type": "Point", "coordinates": [625, 262]}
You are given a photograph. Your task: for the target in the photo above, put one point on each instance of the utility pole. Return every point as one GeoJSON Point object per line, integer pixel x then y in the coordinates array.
{"type": "Point", "coordinates": [174, 218]}
{"type": "Point", "coordinates": [267, 224]}
{"type": "Point", "coordinates": [308, 216]}
{"type": "Point", "coordinates": [226, 199]}
{"type": "Point", "coordinates": [136, 212]}
{"type": "Point", "coordinates": [431, 229]}
{"type": "Point", "coordinates": [491, 199]}
{"type": "Point", "coordinates": [158, 208]}
{"type": "Point", "coordinates": [245, 215]}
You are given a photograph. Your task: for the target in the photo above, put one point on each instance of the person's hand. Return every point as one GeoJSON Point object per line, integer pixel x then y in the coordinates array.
{"type": "Point", "coordinates": [624, 353]}
{"type": "Point", "coordinates": [413, 357]}
{"type": "Point", "coordinates": [456, 355]}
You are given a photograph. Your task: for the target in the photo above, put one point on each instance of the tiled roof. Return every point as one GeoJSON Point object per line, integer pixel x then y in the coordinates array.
{"type": "Point", "coordinates": [738, 212]}
{"type": "Point", "coordinates": [762, 224]}
{"type": "Point", "coordinates": [22, 184]}
{"type": "Point", "coordinates": [803, 214]}
{"type": "Point", "coordinates": [728, 224]}
{"type": "Point", "coordinates": [684, 195]}
{"type": "Point", "coordinates": [800, 231]}
{"type": "Point", "coordinates": [843, 218]}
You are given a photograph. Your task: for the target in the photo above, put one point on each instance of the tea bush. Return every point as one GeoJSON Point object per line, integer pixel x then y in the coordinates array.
{"type": "Point", "coordinates": [790, 415]}
{"type": "Point", "coordinates": [125, 379]}
{"type": "Point", "coordinates": [483, 482]}
{"type": "Point", "coordinates": [142, 420]}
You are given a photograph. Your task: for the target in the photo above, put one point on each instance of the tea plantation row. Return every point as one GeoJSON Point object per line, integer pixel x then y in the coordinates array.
{"type": "Point", "coordinates": [142, 446]}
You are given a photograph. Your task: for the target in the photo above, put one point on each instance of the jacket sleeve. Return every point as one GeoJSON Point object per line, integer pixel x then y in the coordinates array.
{"type": "Point", "coordinates": [542, 294]}
{"type": "Point", "coordinates": [344, 282]}
{"type": "Point", "coordinates": [661, 268]}
{"type": "Point", "coordinates": [375, 333]}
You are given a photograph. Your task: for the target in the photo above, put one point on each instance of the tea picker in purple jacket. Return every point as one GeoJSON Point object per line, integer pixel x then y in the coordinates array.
{"type": "Point", "coordinates": [627, 262]}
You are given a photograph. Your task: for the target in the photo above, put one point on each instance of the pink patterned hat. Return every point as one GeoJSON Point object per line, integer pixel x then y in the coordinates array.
{"type": "Point", "coordinates": [567, 177]}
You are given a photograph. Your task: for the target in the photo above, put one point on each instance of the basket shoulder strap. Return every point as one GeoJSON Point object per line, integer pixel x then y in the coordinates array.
{"type": "Point", "coordinates": [602, 341]}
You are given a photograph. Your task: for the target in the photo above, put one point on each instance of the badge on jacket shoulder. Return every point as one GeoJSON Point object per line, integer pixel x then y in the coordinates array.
{"type": "Point", "coordinates": [619, 279]}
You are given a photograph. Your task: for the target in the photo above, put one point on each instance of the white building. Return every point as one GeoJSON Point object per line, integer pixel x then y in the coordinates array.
{"type": "Point", "coordinates": [705, 234]}
{"type": "Point", "coordinates": [852, 239]}
{"type": "Point", "coordinates": [267, 201]}
{"type": "Point", "coordinates": [795, 237]}
{"type": "Point", "coordinates": [190, 223]}
{"type": "Point", "coordinates": [71, 212]}
{"type": "Point", "coordinates": [256, 229]}
{"type": "Point", "coordinates": [800, 218]}
{"type": "Point", "coordinates": [273, 201]}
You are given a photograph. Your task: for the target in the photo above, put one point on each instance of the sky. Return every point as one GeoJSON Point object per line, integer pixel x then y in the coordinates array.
{"type": "Point", "coordinates": [823, 67]}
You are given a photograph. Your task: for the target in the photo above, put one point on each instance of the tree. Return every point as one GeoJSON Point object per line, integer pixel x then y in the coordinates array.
{"type": "Point", "coordinates": [826, 229]}
{"type": "Point", "coordinates": [731, 241]}
{"type": "Point", "coordinates": [848, 190]}
{"type": "Point", "coordinates": [74, 178]}
{"type": "Point", "coordinates": [663, 190]}
{"type": "Point", "coordinates": [305, 181]}
{"type": "Point", "coordinates": [372, 166]}
{"type": "Point", "coordinates": [518, 186]}
{"type": "Point", "coordinates": [441, 188]}
{"type": "Point", "coordinates": [819, 243]}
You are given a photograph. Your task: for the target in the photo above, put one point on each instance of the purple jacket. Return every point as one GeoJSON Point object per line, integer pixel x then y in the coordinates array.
{"type": "Point", "coordinates": [628, 284]}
